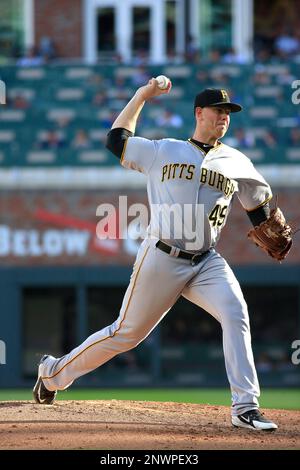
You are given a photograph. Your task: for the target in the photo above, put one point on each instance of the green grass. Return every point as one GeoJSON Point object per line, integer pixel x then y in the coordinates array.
{"type": "Point", "coordinates": [288, 399]}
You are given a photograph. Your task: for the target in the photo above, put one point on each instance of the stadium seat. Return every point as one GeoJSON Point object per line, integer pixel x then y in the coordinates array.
{"type": "Point", "coordinates": [62, 98]}
{"type": "Point", "coordinates": [41, 157]}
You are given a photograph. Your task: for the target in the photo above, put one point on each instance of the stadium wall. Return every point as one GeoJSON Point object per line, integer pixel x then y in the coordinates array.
{"type": "Point", "coordinates": [61, 20]}
{"type": "Point", "coordinates": [58, 284]}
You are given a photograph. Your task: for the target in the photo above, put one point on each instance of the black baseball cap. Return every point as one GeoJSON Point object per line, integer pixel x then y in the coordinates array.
{"type": "Point", "coordinates": [215, 97]}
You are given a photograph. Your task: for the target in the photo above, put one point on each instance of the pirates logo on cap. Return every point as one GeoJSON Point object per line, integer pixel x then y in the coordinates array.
{"type": "Point", "coordinates": [225, 95]}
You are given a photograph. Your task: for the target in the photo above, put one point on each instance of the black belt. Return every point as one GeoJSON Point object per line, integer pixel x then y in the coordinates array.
{"type": "Point", "coordinates": [193, 258]}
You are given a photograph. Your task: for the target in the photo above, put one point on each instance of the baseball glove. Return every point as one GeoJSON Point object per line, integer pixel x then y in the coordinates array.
{"type": "Point", "coordinates": [274, 235]}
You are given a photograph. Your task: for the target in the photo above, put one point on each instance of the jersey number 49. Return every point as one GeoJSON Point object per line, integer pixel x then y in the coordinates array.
{"type": "Point", "coordinates": [217, 215]}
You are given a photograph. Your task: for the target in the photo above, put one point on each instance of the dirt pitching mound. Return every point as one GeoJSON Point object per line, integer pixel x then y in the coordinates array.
{"type": "Point", "coordinates": [112, 425]}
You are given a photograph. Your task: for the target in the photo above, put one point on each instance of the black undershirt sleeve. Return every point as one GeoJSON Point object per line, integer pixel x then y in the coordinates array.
{"type": "Point", "coordinates": [259, 215]}
{"type": "Point", "coordinates": [116, 139]}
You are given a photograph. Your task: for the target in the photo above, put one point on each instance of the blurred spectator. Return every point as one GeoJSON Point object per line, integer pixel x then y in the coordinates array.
{"type": "Point", "coordinates": [62, 122]}
{"type": "Point", "coordinates": [95, 81]}
{"type": "Point", "coordinates": [294, 137]}
{"type": "Point", "coordinates": [240, 139]}
{"type": "Point", "coordinates": [285, 78]}
{"type": "Point", "coordinates": [52, 139]}
{"type": "Point", "coordinates": [99, 99]}
{"type": "Point", "coordinates": [47, 49]}
{"type": "Point", "coordinates": [120, 89]}
{"type": "Point", "coordinates": [31, 59]}
{"type": "Point", "coordinates": [107, 120]}
{"type": "Point", "coordinates": [214, 56]}
{"type": "Point", "coordinates": [19, 102]}
{"type": "Point", "coordinates": [192, 54]}
{"type": "Point", "coordinates": [221, 79]}
{"type": "Point", "coordinates": [140, 58]}
{"type": "Point", "coordinates": [263, 56]}
{"type": "Point", "coordinates": [262, 78]}
{"type": "Point", "coordinates": [232, 57]}
{"type": "Point", "coordinates": [140, 77]}
{"type": "Point", "coordinates": [287, 45]}
{"type": "Point", "coordinates": [169, 119]}
{"type": "Point", "coordinates": [267, 139]}
{"type": "Point", "coordinates": [81, 140]}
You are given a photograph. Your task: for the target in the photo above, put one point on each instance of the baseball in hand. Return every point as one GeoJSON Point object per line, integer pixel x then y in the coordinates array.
{"type": "Point", "coordinates": [162, 81]}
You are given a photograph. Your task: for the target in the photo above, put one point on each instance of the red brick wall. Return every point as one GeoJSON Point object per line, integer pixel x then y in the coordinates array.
{"type": "Point", "coordinates": [62, 21]}
{"type": "Point", "coordinates": [40, 211]}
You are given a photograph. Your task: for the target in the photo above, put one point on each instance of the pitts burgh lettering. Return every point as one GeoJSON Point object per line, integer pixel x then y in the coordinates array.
{"type": "Point", "coordinates": [218, 181]}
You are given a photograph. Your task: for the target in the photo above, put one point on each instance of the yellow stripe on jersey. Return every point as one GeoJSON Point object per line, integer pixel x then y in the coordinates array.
{"type": "Point", "coordinates": [124, 149]}
{"type": "Point", "coordinates": [260, 205]}
{"type": "Point", "coordinates": [197, 147]}
{"type": "Point", "coordinates": [107, 337]}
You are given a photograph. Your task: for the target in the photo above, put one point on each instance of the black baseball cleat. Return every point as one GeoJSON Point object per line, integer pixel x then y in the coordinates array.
{"type": "Point", "coordinates": [41, 394]}
{"type": "Point", "coordinates": [253, 419]}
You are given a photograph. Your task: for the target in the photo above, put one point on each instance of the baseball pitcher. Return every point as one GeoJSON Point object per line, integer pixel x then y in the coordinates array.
{"type": "Point", "coordinates": [200, 174]}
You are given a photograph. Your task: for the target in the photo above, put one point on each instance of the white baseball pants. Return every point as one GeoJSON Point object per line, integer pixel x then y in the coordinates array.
{"type": "Point", "coordinates": [157, 281]}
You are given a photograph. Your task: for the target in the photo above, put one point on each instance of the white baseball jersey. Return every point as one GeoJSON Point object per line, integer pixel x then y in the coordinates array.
{"type": "Point", "coordinates": [181, 175]}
